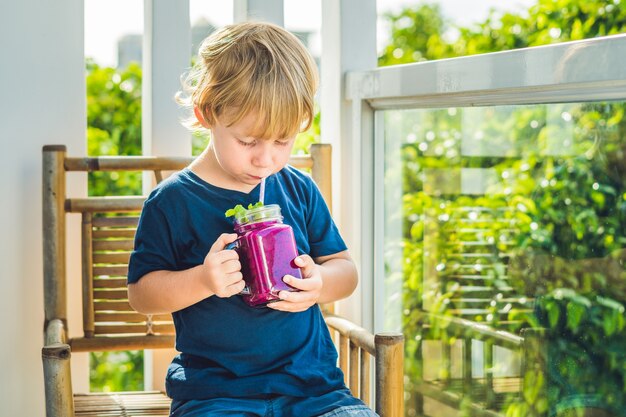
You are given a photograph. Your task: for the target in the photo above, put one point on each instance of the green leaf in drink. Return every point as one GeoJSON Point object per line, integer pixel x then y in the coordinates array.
{"type": "Point", "coordinates": [239, 211]}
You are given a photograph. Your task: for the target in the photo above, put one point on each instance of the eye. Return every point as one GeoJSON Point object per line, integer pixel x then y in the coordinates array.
{"type": "Point", "coordinates": [282, 142]}
{"type": "Point", "coordinates": [244, 143]}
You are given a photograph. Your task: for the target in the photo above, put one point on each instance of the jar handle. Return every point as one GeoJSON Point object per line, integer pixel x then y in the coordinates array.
{"type": "Point", "coordinates": [234, 246]}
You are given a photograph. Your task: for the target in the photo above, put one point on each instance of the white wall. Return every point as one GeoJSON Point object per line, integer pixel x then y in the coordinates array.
{"type": "Point", "coordinates": [42, 101]}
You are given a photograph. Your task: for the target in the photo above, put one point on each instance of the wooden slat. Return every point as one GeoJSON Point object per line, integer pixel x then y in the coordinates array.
{"type": "Point", "coordinates": [104, 204]}
{"type": "Point", "coordinates": [148, 163]}
{"type": "Point", "coordinates": [111, 258]}
{"type": "Point", "coordinates": [130, 317]}
{"type": "Point", "coordinates": [87, 275]}
{"type": "Point", "coordinates": [354, 368]}
{"type": "Point", "coordinates": [117, 294]}
{"type": "Point", "coordinates": [133, 329]}
{"type": "Point", "coordinates": [117, 221]}
{"type": "Point", "coordinates": [140, 403]}
{"type": "Point", "coordinates": [301, 161]}
{"type": "Point", "coordinates": [112, 306]}
{"type": "Point", "coordinates": [106, 343]}
{"type": "Point", "coordinates": [114, 233]}
{"type": "Point", "coordinates": [121, 245]}
{"type": "Point", "coordinates": [111, 271]}
{"type": "Point", "coordinates": [364, 393]}
{"type": "Point", "coordinates": [127, 163]}
{"type": "Point", "coordinates": [343, 357]}
{"type": "Point", "coordinates": [109, 283]}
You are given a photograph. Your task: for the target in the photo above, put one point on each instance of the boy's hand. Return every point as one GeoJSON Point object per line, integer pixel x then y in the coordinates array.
{"type": "Point", "coordinates": [222, 270]}
{"type": "Point", "coordinates": [310, 287]}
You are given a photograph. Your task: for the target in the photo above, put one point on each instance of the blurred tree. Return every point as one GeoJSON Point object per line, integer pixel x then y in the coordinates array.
{"type": "Point", "coordinates": [114, 110]}
{"type": "Point", "coordinates": [114, 124]}
{"type": "Point", "coordinates": [416, 35]}
{"type": "Point", "coordinates": [116, 371]}
{"type": "Point", "coordinates": [422, 33]}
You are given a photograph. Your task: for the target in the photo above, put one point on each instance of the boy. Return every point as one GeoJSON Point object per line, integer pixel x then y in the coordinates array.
{"type": "Point", "coordinates": [253, 88]}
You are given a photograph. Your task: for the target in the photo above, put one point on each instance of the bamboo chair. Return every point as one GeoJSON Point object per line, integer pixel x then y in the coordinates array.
{"type": "Point", "coordinates": [109, 323]}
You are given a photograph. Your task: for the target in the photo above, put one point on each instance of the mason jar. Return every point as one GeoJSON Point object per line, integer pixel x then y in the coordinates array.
{"type": "Point", "coordinates": [267, 250]}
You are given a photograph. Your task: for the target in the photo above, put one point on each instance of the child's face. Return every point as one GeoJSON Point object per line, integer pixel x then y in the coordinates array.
{"type": "Point", "coordinates": [246, 159]}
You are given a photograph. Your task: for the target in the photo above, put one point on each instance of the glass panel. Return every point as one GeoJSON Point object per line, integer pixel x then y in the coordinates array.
{"type": "Point", "coordinates": [504, 237]}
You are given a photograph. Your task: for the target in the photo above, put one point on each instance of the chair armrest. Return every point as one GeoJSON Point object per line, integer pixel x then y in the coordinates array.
{"type": "Point", "coordinates": [389, 374]}
{"type": "Point", "coordinates": [55, 356]}
{"type": "Point", "coordinates": [388, 351]}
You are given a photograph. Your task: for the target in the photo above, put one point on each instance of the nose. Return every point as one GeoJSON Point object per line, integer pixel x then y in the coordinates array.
{"type": "Point", "coordinates": [263, 156]}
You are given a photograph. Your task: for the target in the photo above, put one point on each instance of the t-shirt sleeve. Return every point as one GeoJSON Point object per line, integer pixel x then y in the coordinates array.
{"type": "Point", "coordinates": [153, 249]}
{"type": "Point", "coordinates": [324, 237]}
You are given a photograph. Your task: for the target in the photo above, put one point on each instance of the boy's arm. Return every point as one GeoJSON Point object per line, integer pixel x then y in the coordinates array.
{"type": "Point", "coordinates": [169, 291]}
{"type": "Point", "coordinates": [339, 276]}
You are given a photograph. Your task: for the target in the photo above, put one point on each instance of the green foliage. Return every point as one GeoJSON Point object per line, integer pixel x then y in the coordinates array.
{"type": "Point", "coordinates": [585, 347]}
{"type": "Point", "coordinates": [113, 124]}
{"type": "Point", "coordinates": [553, 218]}
{"type": "Point", "coordinates": [416, 36]}
{"type": "Point", "coordinates": [421, 33]}
{"type": "Point", "coordinates": [308, 137]}
{"type": "Point", "coordinates": [552, 222]}
{"type": "Point", "coordinates": [116, 371]}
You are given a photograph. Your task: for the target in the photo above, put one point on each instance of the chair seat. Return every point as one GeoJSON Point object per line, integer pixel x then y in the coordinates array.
{"type": "Point", "coordinates": [122, 404]}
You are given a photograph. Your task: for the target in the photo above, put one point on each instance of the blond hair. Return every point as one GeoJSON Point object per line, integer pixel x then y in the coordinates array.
{"type": "Point", "coordinates": [253, 68]}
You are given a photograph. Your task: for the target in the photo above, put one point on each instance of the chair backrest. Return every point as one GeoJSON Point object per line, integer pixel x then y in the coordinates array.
{"type": "Point", "coordinates": [107, 232]}
{"type": "Point", "coordinates": [109, 323]}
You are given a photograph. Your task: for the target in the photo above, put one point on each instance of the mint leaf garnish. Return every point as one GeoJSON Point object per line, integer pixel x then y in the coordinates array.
{"type": "Point", "coordinates": [239, 211]}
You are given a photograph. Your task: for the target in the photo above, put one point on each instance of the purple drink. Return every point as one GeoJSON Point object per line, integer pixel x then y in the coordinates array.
{"type": "Point", "coordinates": [267, 249]}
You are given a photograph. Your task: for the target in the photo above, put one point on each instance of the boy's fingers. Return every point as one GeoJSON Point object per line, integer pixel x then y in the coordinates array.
{"type": "Point", "coordinates": [222, 241]}
{"type": "Point", "coordinates": [232, 265]}
{"type": "Point", "coordinates": [289, 306]}
{"type": "Point", "coordinates": [303, 260]}
{"type": "Point", "coordinates": [237, 286]}
{"type": "Point", "coordinates": [301, 284]}
{"type": "Point", "coordinates": [234, 278]}
{"type": "Point", "coordinates": [305, 263]}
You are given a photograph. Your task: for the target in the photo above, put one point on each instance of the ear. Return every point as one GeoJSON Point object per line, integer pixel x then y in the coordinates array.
{"type": "Point", "coordinates": [200, 117]}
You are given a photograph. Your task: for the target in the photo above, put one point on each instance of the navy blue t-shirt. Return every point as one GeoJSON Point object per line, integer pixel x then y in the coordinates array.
{"type": "Point", "coordinates": [229, 349]}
